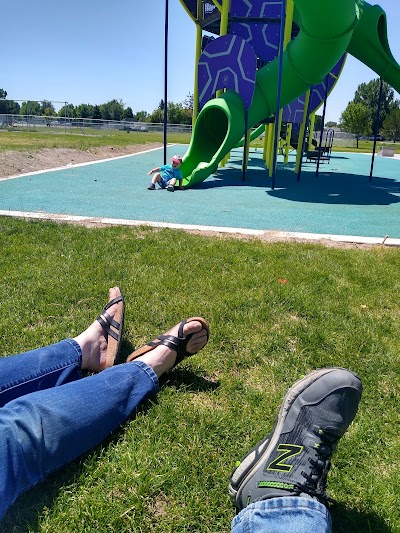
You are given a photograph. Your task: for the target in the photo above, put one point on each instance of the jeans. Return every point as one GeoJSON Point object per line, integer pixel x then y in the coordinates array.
{"type": "Point", "coordinates": [289, 514]}
{"type": "Point", "coordinates": [49, 416]}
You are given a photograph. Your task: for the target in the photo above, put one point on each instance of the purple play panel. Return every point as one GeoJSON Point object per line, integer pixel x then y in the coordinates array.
{"type": "Point", "coordinates": [227, 63]}
{"type": "Point", "coordinates": [263, 39]}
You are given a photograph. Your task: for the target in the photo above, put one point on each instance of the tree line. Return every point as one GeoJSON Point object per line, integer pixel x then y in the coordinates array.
{"type": "Point", "coordinates": [360, 116]}
{"type": "Point", "coordinates": [177, 113]}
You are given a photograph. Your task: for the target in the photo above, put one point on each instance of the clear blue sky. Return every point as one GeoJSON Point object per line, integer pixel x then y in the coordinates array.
{"type": "Point", "coordinates": [87, 51]}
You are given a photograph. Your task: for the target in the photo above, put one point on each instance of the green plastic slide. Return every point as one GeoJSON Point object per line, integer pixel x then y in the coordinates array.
{"type": "Point", "coordinates": [327, 29]}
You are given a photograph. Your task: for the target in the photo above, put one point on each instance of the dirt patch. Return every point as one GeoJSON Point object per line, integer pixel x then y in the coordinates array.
{"type": "Point", "coordinates": [13, 163]}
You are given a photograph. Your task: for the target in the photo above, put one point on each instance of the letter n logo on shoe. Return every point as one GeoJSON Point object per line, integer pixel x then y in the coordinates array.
{"type": "Point", "coordinates": [286, 451]}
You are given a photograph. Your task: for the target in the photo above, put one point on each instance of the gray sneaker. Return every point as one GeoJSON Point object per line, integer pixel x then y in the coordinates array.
{"type": "Point", "coordinates": [151, 187]}
{"type": "Point", "coordinates": [170, 188]}
{"type": "Point", "coordinates": [294, 459]}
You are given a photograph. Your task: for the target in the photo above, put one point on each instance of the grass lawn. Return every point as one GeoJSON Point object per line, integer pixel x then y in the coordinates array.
{"type": "Point", "coordinates": [276, 312]}
{"type": "Point", "coordinates": [22, 140]}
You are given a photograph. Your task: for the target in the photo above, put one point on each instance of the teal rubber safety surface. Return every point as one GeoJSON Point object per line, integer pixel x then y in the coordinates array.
{"type": "Point", "coordinates": [341, 200]}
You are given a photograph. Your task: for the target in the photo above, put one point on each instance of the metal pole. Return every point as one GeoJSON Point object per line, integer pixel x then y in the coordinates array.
{"type": "Point", "coordinates": [65, 118]}
{"type": "Point", "coordinates": [165, 79]}
{"type": "Point", "coordinates": [278, 96]}
{"type": "Point", "coordinates": [323, 124]}
{"type": "Point", "coordinates": [376, 129]}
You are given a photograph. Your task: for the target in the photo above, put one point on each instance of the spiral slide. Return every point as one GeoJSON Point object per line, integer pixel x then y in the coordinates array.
{"type": "Point", "coordinates": [327, 29]}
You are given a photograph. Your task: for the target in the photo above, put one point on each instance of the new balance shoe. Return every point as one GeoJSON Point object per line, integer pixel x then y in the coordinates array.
{"type": "Point", "coordinates": [294, 459]}
{"type": "Point", "coordinates": [170, 188]}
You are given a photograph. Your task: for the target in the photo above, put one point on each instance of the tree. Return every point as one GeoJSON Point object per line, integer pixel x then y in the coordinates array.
{"type": "Point", "coordinates": [96, 112]}
{"type": "Point", "coordinates": [391, 124]}
{"type": "Point", "coordinates": [30, 108]}
{"type": "Point", "coordinates": [356, 119]}
{"type": "Point", "coordinates": [157, 116]}
{"type": "Point", "coordinates": [8, 107]}
{"type": "Point", "coordinates": [84, 111]}
{"type": "Point", "coordinates": [368, 95]}
{"type": "Point", "coordinates": [67, 111]}
{"type": "Point", "coordinates": [128, 114]}
{"type": "Point", "coordinates": [161, 105]}
{"type": "Point", "coordinates": [142, 116]}
{"type": "Point", "coordinates": [177, 114]}
{"type": "Point", "coordinates": [188, 102]}
{"type": "Point", "coordinates": [331, 124]}
{"type": "Point", "coordinates": [45, 104]}
{"type": "Point", "coordinates": [112, 110]}
{"type": "Point", "coordinates": [318, 123]}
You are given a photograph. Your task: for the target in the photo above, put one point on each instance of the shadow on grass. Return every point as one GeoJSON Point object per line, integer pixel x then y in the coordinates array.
{"type": "Point", "coordinates": [25, 513]}
{"type": "Point", "coordinates": [183, 378]}
{"type": "Point", "coordinates": [345, 520]}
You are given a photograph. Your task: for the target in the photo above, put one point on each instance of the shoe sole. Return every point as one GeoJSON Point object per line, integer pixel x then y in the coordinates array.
{"type": "Point", "coordinates": [292, 394]}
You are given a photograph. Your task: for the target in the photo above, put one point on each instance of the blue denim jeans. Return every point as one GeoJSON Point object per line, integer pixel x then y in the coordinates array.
{"type": "Point", "coordinates": [283, 515]}
{"type": "Point", "coordinates": [49, 416]}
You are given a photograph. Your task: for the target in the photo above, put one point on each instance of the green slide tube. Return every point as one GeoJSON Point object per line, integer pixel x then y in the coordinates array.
{"type": "Point", "coordinates": [369, 44]}
{"type": "Point", "coordinates": [326, 28]}
{"type": "Point", "coordinates": [253, 135]}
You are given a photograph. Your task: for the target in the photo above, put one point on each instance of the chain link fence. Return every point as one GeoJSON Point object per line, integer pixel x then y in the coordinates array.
{"type": "Point", "coordinates": [340, 138]}
{"type": "Point", "coordinates": [85, 126]}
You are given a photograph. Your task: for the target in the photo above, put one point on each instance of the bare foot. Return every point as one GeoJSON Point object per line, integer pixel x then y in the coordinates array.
{"type": "Point", "coordinates": [93, 341]}
{"type": "Point", "coordinates": [162, 358]}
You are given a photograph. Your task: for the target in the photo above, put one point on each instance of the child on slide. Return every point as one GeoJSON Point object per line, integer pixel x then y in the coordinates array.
{"type": "Point", "coordinates": [167, 175]}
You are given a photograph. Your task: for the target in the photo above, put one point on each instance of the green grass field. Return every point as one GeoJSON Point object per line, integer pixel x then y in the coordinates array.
{"type": "Point", "coordinates": [167, 468]}
{"type": "Point", "coordinates": [35, 140]}
{"type": "Point", "coordinates": [23, 140]}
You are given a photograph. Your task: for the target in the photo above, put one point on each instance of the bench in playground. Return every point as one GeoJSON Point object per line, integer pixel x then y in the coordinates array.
{"type": "Point", "coordinates": [386, 152]}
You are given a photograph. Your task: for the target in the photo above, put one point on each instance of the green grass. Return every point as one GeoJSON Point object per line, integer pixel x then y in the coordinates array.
{"type": "Point", "coordinates": [36, 140]}
{"type": "Point", "coordinates": [363, 146]}
{"type": "Point", "coordinates": [167, 469]}
{"type": "Point", "coordinates": [22, 140]}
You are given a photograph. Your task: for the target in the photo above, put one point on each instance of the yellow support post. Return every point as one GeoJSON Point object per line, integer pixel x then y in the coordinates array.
{"type": "Point", "coordinates": [223, 27]}
{"type": "Point", "coordinates": [299, 154]}
{"type": "Point", "coordinates": [288, 139]}
{"type": "Point", "coordinates": [199, 35]}
{"type": "Point", "coordinates": [311, 131]}
{"type": "Point", "coordinates": [270, 147]}
{"type": "Point", "coordinates": [288, 23]}
{"type": "Point", "coordinates": [265, 142]}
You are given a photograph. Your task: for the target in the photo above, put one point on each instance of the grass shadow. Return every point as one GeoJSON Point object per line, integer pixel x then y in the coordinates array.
{"type": "Point", "coordinates": [345, 520]}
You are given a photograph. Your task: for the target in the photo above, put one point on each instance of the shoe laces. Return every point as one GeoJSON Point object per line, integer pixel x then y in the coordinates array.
{"type": "Point", "coordinates": [316, 481]}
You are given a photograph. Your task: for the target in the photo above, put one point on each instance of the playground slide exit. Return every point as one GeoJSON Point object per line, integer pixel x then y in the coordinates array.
{"type": "Point", "coordinates": [327, 29]}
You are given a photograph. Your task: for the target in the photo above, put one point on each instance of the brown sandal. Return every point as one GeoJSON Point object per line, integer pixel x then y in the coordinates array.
{"type": "Point", "coordinates": [179, 343]}
{"type": "Point", "coordinates": [113, 327]}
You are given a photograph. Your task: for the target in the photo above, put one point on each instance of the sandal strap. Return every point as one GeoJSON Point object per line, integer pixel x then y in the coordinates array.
{"type": "Point", "coordinates": [112, 302]}
{"type": "Point", "coordinates": [110, 320]}
{"type": "Point", "coordinates": [166, 340]}
{"type": "Point", "coordinates": [107, 328]}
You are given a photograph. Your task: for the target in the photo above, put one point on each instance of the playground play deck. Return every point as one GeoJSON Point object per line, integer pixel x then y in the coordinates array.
{"type": "Point", "coordinates": [340, 201]}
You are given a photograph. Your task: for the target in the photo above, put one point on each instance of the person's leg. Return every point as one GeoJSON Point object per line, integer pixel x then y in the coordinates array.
{"type": "Point", "coordinates": [171, 185]}
{"type": "Point", "coordinates": [59, 363]}
{"type": "Point", "coordinates": [157, 178]}
{"type": "Point", "coordinates": [279, 486]}
{"type": "Point", "coordinates": [43, 431]}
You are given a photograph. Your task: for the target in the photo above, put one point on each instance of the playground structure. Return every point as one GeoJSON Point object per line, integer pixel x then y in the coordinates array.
{"type": "Point", "coordinates": [272, 63]}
